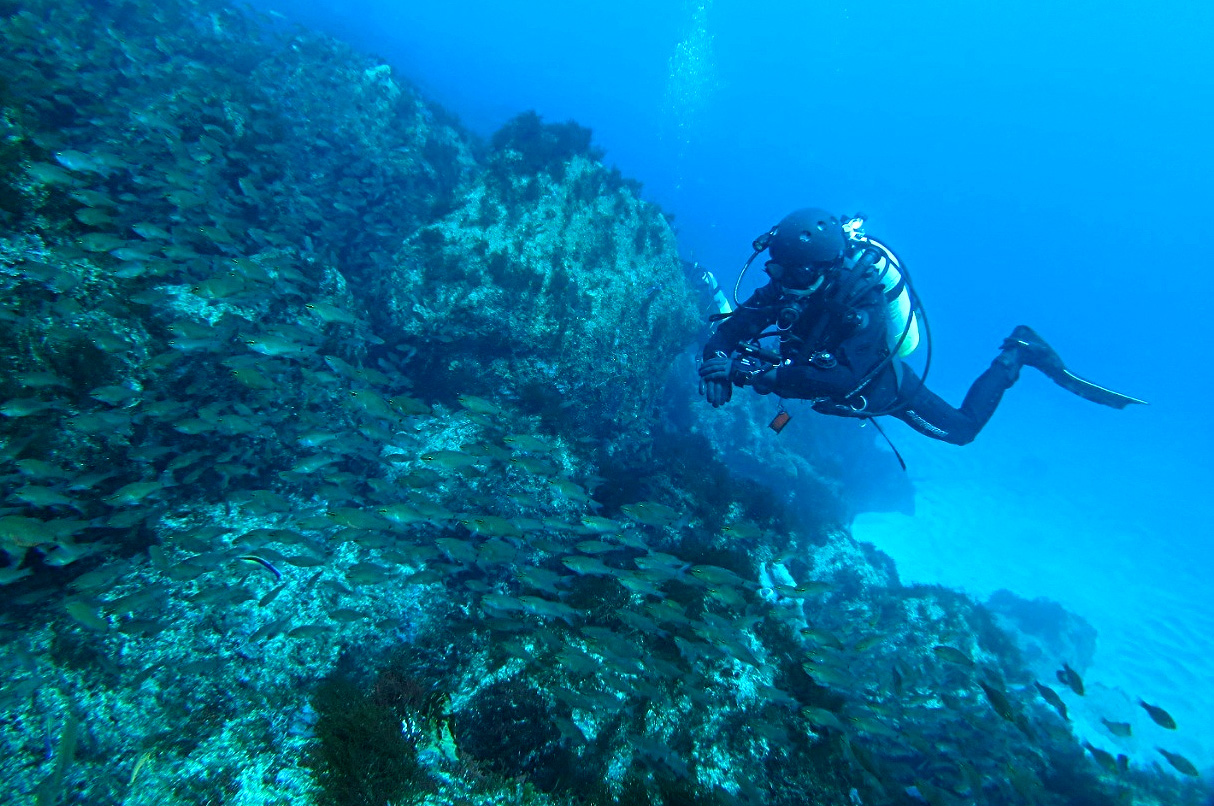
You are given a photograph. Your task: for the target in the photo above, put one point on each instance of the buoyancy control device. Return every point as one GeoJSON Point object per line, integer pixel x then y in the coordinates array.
{"type": "Point", "coordinates": [904, 336]}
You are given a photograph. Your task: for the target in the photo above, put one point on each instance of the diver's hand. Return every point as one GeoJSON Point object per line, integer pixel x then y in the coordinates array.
{"type": "Point", "coordinates": [718, 375]}
{"type": "Point", "coordinates": [717, 393]}
{"type": "Point", "coordinates": [721, 368]}
{"type": "Point", "coordinates": [727, 373]}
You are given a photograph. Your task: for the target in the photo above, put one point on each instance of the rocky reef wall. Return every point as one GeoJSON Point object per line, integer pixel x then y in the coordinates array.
{"type": "Point", "coordinates": [331, 472]}
{"type": "Point", "coordinates": [552, 283]}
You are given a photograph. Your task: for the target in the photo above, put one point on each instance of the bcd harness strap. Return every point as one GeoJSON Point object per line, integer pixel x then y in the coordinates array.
{"type": "Point", "coordinates": [840, 299]}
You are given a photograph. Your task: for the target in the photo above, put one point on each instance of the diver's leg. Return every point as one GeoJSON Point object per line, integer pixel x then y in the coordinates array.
{"type": "Point", "coordinates": [930, 415]}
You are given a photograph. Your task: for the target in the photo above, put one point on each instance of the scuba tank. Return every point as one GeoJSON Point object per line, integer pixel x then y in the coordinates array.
{"type": "Point", "coordinates": [902, 316]}
{"type": "Point", "coordinates": [720, 302]}
{"type": "Point", "coordinates": [905, 310]}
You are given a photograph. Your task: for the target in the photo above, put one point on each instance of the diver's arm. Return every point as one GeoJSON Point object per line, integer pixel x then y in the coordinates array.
{"type": "Point", "coordinates": [746, 322]}
{"type": "Point", "coordinates": [863, 350]}
{"type": "Point", "coordinates": [806, 381]}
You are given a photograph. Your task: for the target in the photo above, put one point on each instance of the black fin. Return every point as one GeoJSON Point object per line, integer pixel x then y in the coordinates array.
{"type": "Point", "coordinates": [1091, 391]}
{"type": "Point", "coordinates": [1035, 352]}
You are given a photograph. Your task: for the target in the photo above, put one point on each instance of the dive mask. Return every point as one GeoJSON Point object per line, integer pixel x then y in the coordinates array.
{"type": "Point", "coordinates": [799, 277]}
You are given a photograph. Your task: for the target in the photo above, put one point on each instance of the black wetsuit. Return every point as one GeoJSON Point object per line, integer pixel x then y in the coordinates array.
{"type": "Point", "coordinates": [834, 341]}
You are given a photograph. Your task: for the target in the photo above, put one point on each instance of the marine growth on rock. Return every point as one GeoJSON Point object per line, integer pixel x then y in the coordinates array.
{"type": "Point", "coordinates": [339, 465]}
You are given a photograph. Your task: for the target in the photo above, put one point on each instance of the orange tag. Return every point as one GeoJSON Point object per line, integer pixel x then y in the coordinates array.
{"type": "Point", "coordinates": [780, 421]}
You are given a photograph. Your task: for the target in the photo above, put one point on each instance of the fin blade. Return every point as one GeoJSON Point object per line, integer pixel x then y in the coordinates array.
{"type": "Point", "coordinates": [1094, 392]}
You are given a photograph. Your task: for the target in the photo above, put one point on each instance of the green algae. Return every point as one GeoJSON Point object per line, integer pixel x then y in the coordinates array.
{"type": "Point", "coordinates": [361, 756]}
{"type": "Point", "coordinates": [538, 147]}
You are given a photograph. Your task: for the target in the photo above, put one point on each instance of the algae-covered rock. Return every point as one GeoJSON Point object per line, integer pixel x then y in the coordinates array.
{"type": "Point", "coordinates": [300, 495]}
{"type": "Point", "coordinates": [562, 291]}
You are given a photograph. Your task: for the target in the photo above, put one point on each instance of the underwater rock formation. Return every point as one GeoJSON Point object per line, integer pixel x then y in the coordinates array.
{"type": "Point", "coordinates": [329, 476]}
{"type": "Point", "coordinates": [552, 283]}
{"type": "Point", "coordinates": [1047, 633]}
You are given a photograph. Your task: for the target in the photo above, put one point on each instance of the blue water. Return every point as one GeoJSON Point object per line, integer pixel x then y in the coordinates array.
{"type": "Point", "coordinates": [1033, 162]}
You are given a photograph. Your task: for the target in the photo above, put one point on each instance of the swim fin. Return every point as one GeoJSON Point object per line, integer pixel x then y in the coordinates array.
{"type": "Point", "coordinates": [1092, 391]}
{"type": "Point", "coordinates": [1033, 350]}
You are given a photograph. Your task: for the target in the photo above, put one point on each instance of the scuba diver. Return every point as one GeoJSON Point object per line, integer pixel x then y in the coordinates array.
{"type": "Point", "coordinates": [845, 315]}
